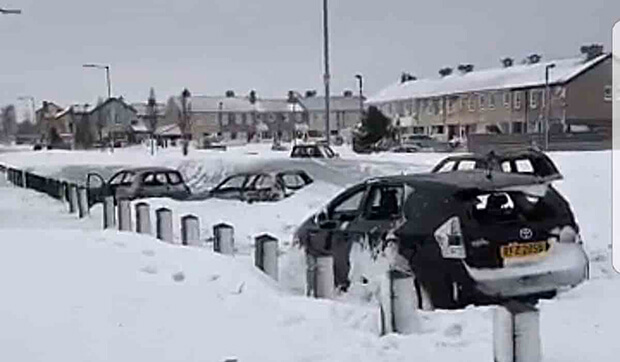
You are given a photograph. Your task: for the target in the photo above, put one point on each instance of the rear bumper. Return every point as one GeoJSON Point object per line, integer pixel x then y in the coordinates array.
{"type": "Point", "coordinates": [565, 265]}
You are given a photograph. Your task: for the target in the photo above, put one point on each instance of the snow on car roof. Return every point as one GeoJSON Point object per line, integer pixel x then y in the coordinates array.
{"type": "Point", "coordinates": [517, 76]}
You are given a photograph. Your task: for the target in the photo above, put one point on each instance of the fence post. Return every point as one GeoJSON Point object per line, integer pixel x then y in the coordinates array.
{"type": "Point", "coordinates": [224, 239]}
{"type": "Point", "coordinates": [24, 184]}
{"type": "Point", "coordinates": [319, 276]}
{"type": "Point", "coordinates": [83, 209]}
{"type": "Point", "coordinates": [109, 217]}
{"type": "Point", "coordinates": [143, 218]}
{"type": "Point", "coordinates": [190, 230]}
{"type": "Point", "coordinates": [164, 224]}
{"type": "Point", "coordinates": [73, 198]}
{"type": "Point", "coordinates": [124, 215]}
{"type": "Point", "coordinates": [516, 333]}
{"type": "Point", "coordinates": [266, 255]}
{"type": "Point", "coordinates": [399, 304]}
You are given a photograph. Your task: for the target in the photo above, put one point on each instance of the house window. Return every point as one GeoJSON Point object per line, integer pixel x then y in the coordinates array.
{"type": "Point", "coordinates": [225, 120]}
{"type": "Point", "coordinates": [418, 130]}
{"type": "Point", "coordinates": [437, 129]}
{"type": "Point", "coordinates": [233, 136]}
{"type": "Point", "coordinates": [608, 93]}
{"type": "Point", "coordinates": [481, 101]}
{"type": "Point", "coordinates": [471, 104]}
{"type": "Point", "coordinates": [244, 118]}
{"type": "Point", "coordinates": [429, 107]}
{"type": "Point", "coordinates": [450, 106]}
{"type": "Point", "coordinates": [517, 99]}
{"type": "Point", "coordinates": [518, 127]}
{"type": "Point", "coordinates": [533, 99]}
{"type": "Point", "coordinates": [231, 118]}
{"type": "Point", "coordinates": [507, 99]}
{"type": "Point", "coordinates": [492, 101]}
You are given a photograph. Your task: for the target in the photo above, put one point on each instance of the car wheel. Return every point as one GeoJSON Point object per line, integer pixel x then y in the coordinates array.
{"type": "Point", "coordinates": [424, 297]}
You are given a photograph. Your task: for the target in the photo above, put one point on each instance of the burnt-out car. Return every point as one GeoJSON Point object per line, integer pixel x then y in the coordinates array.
{"type": "Point", "coordinates": [137, 183]}
{"type": "Point", "coordinates": [313, 151]}
{"type": "Point", "coordinates": [468, 237]}
{"type": "Point", "coordinates": [527, 161]}
{"type": "Point", "coordinates": [261, 186]}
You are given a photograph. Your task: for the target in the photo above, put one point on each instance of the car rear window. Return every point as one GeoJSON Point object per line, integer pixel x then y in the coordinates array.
{"type": "Point", "coordinates": [467, 165]}
{"type": "Point", "coordinates": [447, 167]}
{"type": "Point", "coordinates": [524, 166]}
{"type": "Point", "coordinates": [292, 180]}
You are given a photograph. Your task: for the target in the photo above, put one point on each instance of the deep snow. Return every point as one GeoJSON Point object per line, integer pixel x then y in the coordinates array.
{"type": "Point", "coordinates": [576, 326]}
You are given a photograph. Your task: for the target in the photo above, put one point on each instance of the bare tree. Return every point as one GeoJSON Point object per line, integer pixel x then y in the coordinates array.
{"type": "Point", "coordinates": [9, 121]}
{"type": "Point", "coordinates": [151, 114]}
{"type": "Point", "coordinates": [185, 120]}
{"type": "Point", "coordinates": [83, 130]}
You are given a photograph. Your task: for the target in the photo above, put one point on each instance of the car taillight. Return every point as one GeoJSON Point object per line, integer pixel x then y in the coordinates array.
{"type": "Point", "coordinates": [450, 239]}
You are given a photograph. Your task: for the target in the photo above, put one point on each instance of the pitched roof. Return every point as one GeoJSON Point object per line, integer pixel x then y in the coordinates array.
{"type": "Point", "coordinates": [211, 103]}
{"type": "Point", "coordinates": [274, 105]}
{"type": "Point", "coordinates": [336, 103]}
{"type": "Point", "coordinates": [168, 130]}
{"type": "Point", "coordinates": [141, 108]}
{"type": "Point", "coordinates": [109, 100]}
{"type": "Point", "coordinates": [517, 76]}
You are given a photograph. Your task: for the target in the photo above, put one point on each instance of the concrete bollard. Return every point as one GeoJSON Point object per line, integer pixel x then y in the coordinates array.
{"type": "Point", "coordinates": [24, 183]}
{"type": "Point", "coordinates": [190, 230]}
{"type": "Point", "coordinates": [143, 218]}
{"type": "Point", "coordinates": [266, 255]}
{"type": "Point", "coordinates": [73, 199]}
{"type": "Point", "coordinates": [399, 304]}
{"type": "Point", "coordinates": [83, 209]}
{"type": "Point", "coordinates": [109, 217]}
{"type": "Point", "coordinates": [320, 276]}
{"type": "Point", "coordinates": [164, 224]}
{"type": "Point", "coordinates": [224, 239]}
{"type": "Point", "coordinates": [516, 333]}
{"type": "Point", "coordinates": [124, 215]}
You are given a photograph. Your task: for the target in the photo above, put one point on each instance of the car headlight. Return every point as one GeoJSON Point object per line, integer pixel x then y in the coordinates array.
{"type": "Point", "coordinates": [566, 234]}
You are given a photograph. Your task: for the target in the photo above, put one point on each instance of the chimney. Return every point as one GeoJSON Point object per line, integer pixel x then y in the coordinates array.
{"type": "Point", "coordinates": [534, 58]}
{"type": "Point", "coordinates": [465, 68]}
{"type": "Point", "coordinates": [592, 51]}
{"type": "Point", "coordinates": [252, 96]}
{"type": "Point", "coordinates": [230, 94]}
{"type": "Point", "coordinates": [347, 93]}
{"type": "Point", "coordinates": [406, 77]}
{"type": "Point", "coordinates": [310, 93]}
{"type": "Point", "coordinates": [507, 62]}
{"type": "Point", "coordinates": [444, 72]}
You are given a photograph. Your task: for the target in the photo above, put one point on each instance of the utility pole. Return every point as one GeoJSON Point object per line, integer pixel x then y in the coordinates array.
{"type": "Point", "coordinates": [107, 75]}
{"type": "Point", "coordinates": [326, 76]}
{"type": "Point", "coordinates": [361, 85]}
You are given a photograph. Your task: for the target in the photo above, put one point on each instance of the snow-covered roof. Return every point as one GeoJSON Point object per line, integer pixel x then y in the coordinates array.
{"type": "Point", "coordinates": [273, 105]}
{"type": "Point", "coordinates": [168, 130]}
{"type": "Point", "coordinates": [336, 103]}
{"type": "Point", "coordinates": [212, 104]}
{"type": "Point", "coordinates": [517, 76]}
{"type": "Point", "coordinates": [141, 108]}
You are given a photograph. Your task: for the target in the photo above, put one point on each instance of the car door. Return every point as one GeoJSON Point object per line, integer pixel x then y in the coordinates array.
{"type": "Point", "coordinates": [231, 188]}
{"type": "Point", "coordinates": [178, 188]}
{"type": "Point", "coordinates": [381, 209]}
{"type": "Point", "coordinates": [154, 184]}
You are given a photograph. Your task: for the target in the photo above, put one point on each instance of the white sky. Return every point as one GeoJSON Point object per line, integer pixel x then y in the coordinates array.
{"type": "Point", "coordinates": [273, 45]}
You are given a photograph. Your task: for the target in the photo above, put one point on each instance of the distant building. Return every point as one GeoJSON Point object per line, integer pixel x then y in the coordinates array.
{"type": "Point", "coordinates": [504, 100]}
{"type": "Point", "coordinates": [250, 118]}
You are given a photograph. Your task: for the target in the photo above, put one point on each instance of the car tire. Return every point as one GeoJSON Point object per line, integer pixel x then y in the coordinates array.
{"type": "Point", "coordinates": [424, 301]}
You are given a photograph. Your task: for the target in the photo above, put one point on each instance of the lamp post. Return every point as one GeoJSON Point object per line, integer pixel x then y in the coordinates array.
{"type": "Point", "coordinates": [548, 104]}
{"type": "Point", "coordinates": [326, 76]}
{"type": "Point", "coordinates": [10, 11]}
{"type": "Point", "coordinates": [107, 74]}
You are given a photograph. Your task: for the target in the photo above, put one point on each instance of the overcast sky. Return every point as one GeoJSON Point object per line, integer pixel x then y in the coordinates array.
{"type": "Point", "coordinates": [273, 45]}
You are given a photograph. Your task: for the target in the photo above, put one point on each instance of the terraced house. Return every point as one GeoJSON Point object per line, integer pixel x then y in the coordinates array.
{"type": "Point", "coordinates": [510, 99]}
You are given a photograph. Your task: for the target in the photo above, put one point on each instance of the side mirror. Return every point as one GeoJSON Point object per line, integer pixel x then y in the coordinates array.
{"type": "Point", "coordinates": [322, 220]}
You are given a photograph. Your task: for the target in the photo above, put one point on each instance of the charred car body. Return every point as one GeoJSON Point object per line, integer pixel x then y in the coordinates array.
{"type": "Point", "coordinates": [468, 237]}
{"type": "Point", "coordinates": [313, 151]}
{"type": "Point", "coordinates": [137, 183]}
{"type": "Point", "coordinates": [261, 186]}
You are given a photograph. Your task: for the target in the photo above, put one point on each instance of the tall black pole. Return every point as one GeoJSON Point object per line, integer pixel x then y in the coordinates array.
{"type": "Point", "coordinates": [326, 75]}
{"type": "Point", "coordinates": [107, 73]}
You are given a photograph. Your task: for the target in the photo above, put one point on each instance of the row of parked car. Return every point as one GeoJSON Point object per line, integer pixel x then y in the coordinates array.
{"type": "Point", "coordinates": [477, 229]}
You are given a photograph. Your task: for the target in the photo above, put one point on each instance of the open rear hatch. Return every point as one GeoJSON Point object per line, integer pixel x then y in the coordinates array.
{"type": "Point", "coordinates": [512, 224]}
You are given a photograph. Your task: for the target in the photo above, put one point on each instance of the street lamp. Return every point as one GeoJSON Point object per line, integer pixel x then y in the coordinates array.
{"type": "Point", "coordinates": [107, 73]}
{"type": "Point", "coordinates": [10, 11]}
{"type": "Point", "coordinates": [360, 81]}
{"type": "Point", "coordinates": [326, 76]}
{"type": "Point", "coordinates": [32, 103]}
{"type": "Point", "coordinates": [548, 104]}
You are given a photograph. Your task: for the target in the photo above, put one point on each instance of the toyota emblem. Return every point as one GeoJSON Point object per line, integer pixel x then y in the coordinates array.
{"type": "Point", "coordinates": [526, 233]}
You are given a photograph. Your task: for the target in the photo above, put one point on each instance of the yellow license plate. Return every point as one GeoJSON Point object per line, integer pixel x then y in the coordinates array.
{"type": "Point", "coordinates": [517, 250]}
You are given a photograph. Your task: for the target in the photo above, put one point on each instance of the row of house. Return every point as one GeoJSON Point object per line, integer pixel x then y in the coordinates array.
{"type": "Point", "coordinates": [229, 117]}
{"type": "Point", "coordinates": [511, 99]}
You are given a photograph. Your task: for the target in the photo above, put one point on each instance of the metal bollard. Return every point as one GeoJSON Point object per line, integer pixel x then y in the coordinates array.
{"type": "Point", "coordinates": [224, 239]}
{"type": "Point", "coordinates": [190, 230]}
{"type": "Point", "coordinates": [399, 304]}
{"type": "Point", "coordinates": [109, 217]}
{"type": "Point", "coordinates": [124, 215]}
{"type": "Point", "coordinates": [516, 333]}
{"type": "Point", "coordinates": [143, 218]}
{"type": "Point", "coordinates": [164, 224]}
{"type": "Point", "coordinates": [266, 255]}
{"type": "Point", "coordinates": [320, 276]}
{"type": "Point", "coordinates": [83, 209]}
{"type": "Point", "coordinates": [73, 198]}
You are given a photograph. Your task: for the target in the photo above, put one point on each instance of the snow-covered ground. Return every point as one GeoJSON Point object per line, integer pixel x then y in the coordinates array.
{"type": "Point", "coordinates": [578, 325]}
